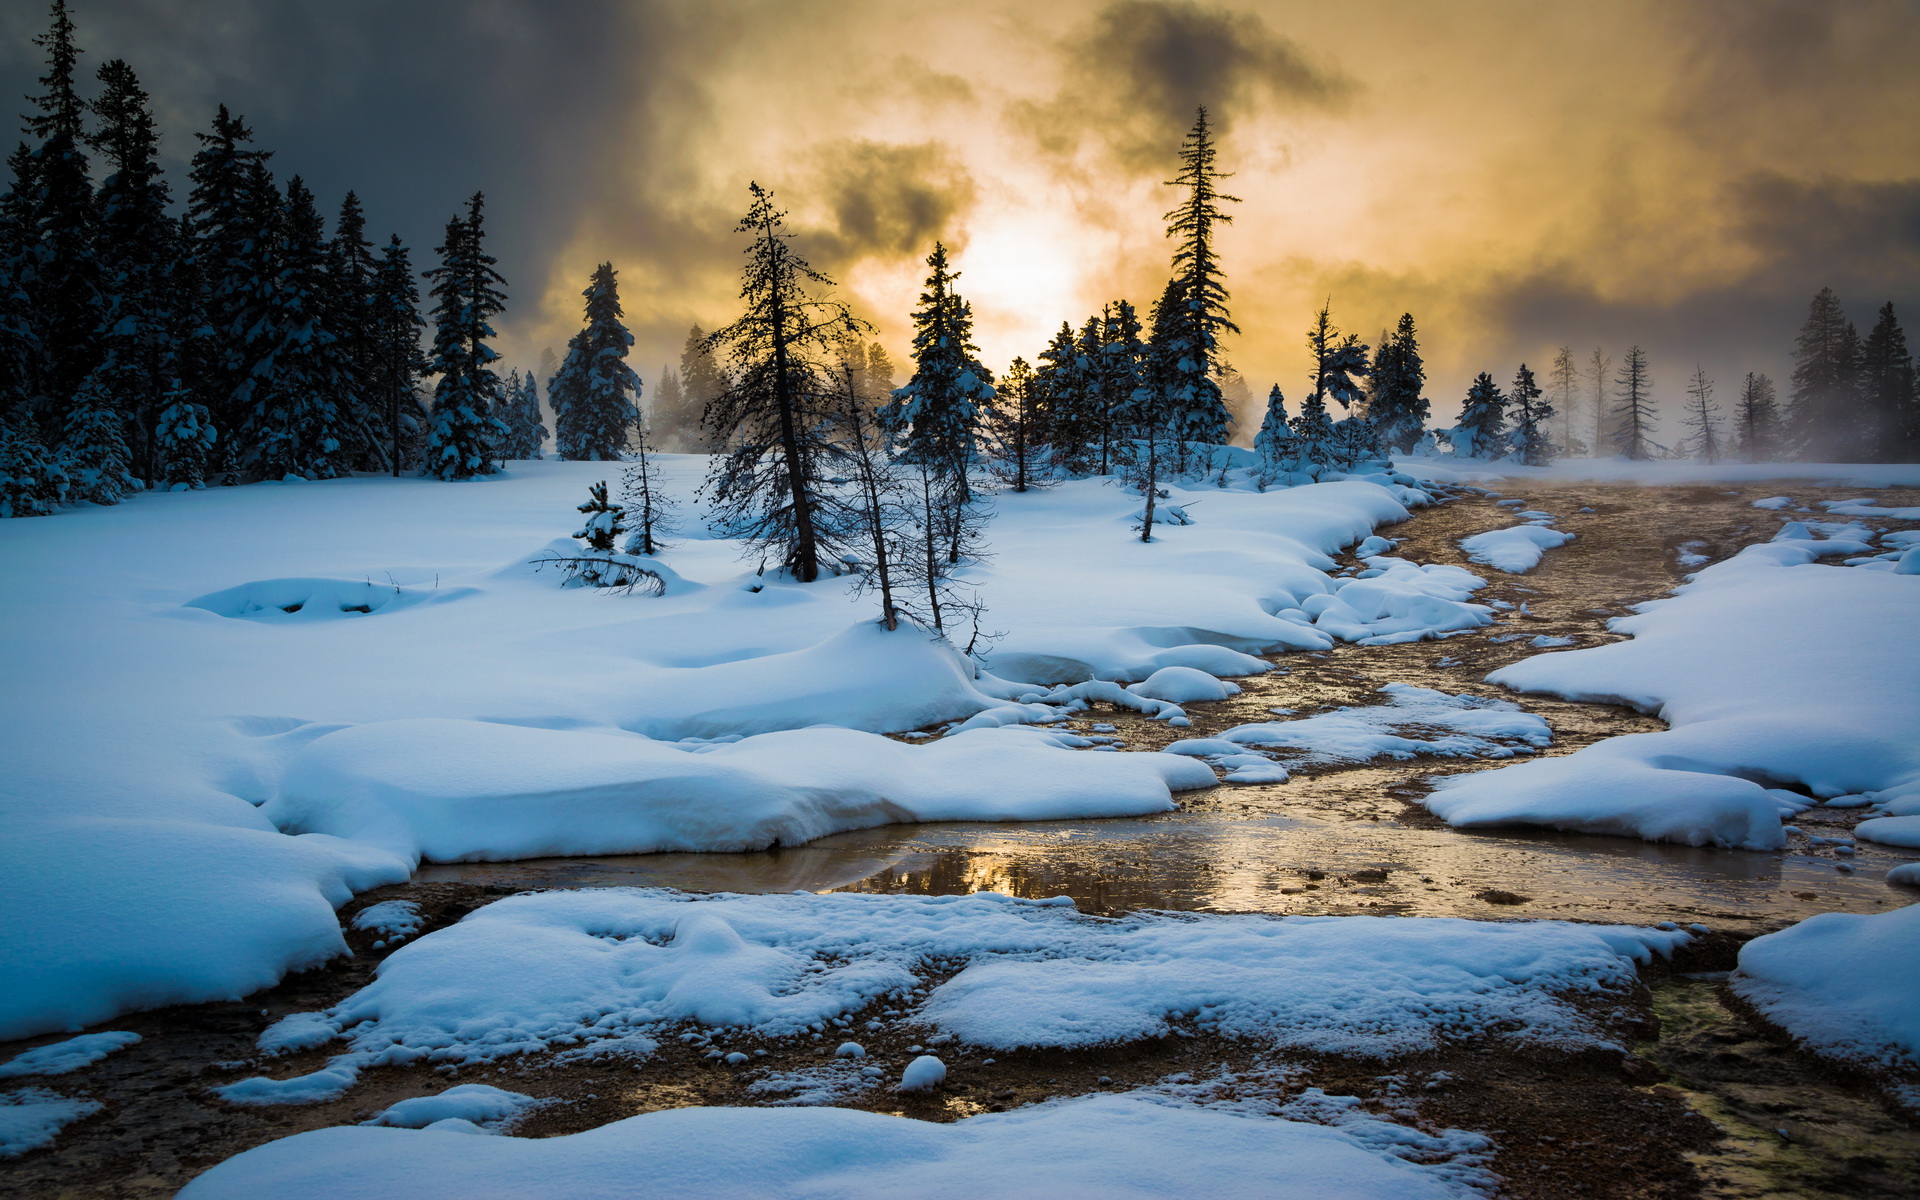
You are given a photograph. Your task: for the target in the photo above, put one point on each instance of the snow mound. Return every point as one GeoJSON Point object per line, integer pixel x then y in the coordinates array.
{"type": "Point", "coordinates": [390, 918]}
{"type": "Point", "coordinates": [923, 1073]}
{"type": "Point", "coordinates": [1843, 984]}
{"type": "Point", "coordinates": [1865, 506]}
{"type": "Point", "coordinates": [478, 1103]}
{"type": "Point", "coordinates": [1122, 1147]}
{"type": "Point", "coordinates": [1831, 705]}
{"type": "Point", "coordinates": [1774, 502]}
{"type": "Point", "coordinates": [32, 1117]}
{"type": "Point", "coordinates": [284, 600]}
{"type": "Point", "coordinates": [70, 1055]}
{"type": "Point", "coordinates": [1891, 831]}
{"type": "Point", "coordinates": [577, 968]}
{"type": "Point", "coordinates": [1182, 685]}
{"type": "Point", "coordinates": [1515, 550]}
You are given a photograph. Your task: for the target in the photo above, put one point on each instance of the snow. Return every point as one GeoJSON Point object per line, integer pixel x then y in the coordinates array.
{"type": "Point", "coordinates": [32, 1117]}
{"type": "Point", "coordinates": [170, 723]}
{"type": "Point", "coordinates": [1770, 665]}
{"type": "Point", "coordinates": [1112, 1146]}
{"type": "Point", "coordinates": [1891, 831]}
{"type": "Point", "coordinates": [922, 1074]}
{"type": "Point", "coordinates": [480, 1104]}
{"type": "Point", "coordinates": [70, 1055]}
{"type": "Point", "coordinates": [1843, 984]}
{"type": "Point", "coordinates": [1659, 473]}
{"type": "Point", "coordinates": [1905, 873]}
{"type": "Point", "coordinates": [1182, 685]}
{"type": "Point", "coordinates": [1774, 502]}
{"type": "Point", "coordinates": [394, 919]}
{"type": "Point", "coordinates": [1865, 506]}
{"type": "Point", "coordinates": [573, 969]}
{"type": "Point", "coordinates": [1515, 550]}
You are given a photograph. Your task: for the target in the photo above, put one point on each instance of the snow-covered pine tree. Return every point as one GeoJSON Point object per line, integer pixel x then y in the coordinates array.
{"type": "Point", "coordinates": [93, 443]}
{"type": "Point", "coordinates": [1015, 432]}
{"type": "Point", "coordinates": [351, 314]}
{"type": "Point", "coordinates": [1315, 444]}
{"type": "Point", "coordinates": [1532, 417]}
{"type": "Point", "coordinates": [31, 481]}
{"type": "Point", "coordinates": [1703, 418]}
{"type": "Point", "coordinates": [533, 428]}
{"type": "Point", "coordinates": [650, 511]}
{"type": "Point", "coordinates": [1152, 418]}
{"type": "Point", "coordinates": [1116, 374]}
{"type": "Point", "coordinates": [935, 417]}
{"type": "Point", "coordinates": [1394, 403]}
{"type": "Point", "coordinates": [1482, 429]}
{"type": "Point", "coordinates": [1064, 381]}
{"type": "Point", "coordinates": [1339, 363]}
{"type": "Point", "coordinates": [1633, 409]}
{"type": "Point", "coordinates": [464, 431]}
{"type": "Point", "coordinates": [1201, 315]}
{"type": "Point", "coordinates": [394, 384]}
{"type": "Point", "coordinates": [1756, 419]}
{"type": "Point", "coordinates": [296, 389]}
{"type": "Point", "coordinates": [595, 394]}
{"type": "Point", "coordinates": [1274, 442]}
{"type": "Point", "coordinates": [1563, 384]}
{"type": "Point", "coordinates": [136, 246]}
{"type": "Point", "coordinates": [1887, 387]}
{"type": "Point", "coordinates": [184, 438]}
{"type": "Point", "coordinates": [184, 435]}
{"type": "Point", "coordinates": [233, 208]}
{"type": "Point", "coordinates": [1821, 420]}
{"type": "Point", "coordinates": [770, 489]}
{"type": "Point", "coordinates": [19, 350]}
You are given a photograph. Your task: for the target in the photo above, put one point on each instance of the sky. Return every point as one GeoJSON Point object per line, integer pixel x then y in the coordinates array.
{"type": "Point", "coordinates": [1678, 174]}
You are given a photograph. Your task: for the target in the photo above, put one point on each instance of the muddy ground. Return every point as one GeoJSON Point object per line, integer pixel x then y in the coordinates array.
{"type": "Point", "coordinates": [1710, 1102]}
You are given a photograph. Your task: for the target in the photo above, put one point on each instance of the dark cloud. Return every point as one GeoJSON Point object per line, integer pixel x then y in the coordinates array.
{"type": "Point", "coordinates": [883, 201]}
{"type": "Point", "coordinates": [1138, 69]}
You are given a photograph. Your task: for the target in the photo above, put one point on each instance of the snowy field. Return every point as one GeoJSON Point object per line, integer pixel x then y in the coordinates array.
{"type": "Point", "coordinates": [230, 710]}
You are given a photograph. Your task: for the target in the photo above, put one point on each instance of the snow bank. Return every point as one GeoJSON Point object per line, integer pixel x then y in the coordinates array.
{"type": "Point", "coordinates": [479, 1103]}
{"type": "Point", "coordinates": [1866, 506]}
{"type": "Point", "coordinates": [1843, 984]}
{"type": "Point", "coordinates": [1183, 685]}
{"type": "Point", "coordinates": [1515, 550]}
{"type": "Point", "coordinates": [1769, 666]}
{"type": "Point", "coordinates": [1110, 1146]}
{"type": "Point", "coordinates": [32, 1117]}
{"type": "Point", "coordinates": [621, 966]}
{"type": "Point", "coordinates": [70, 1055]}
{"type": "Point", "coordinates": [452, 791]}
{"type": "Point", "coordinates": [1665, 472]}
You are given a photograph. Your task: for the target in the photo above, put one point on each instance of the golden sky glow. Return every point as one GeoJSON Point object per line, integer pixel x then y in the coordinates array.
{"type": "Point", "coordinates": [1517, 175]}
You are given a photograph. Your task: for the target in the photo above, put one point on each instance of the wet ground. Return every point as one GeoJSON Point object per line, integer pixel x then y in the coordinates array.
{"type": "Point", "coordinates": [1710, 1103]}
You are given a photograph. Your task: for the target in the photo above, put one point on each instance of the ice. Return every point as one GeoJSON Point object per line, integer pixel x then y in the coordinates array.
{"type": "Point", "coordinates": [1830, 705]}
{"type": "Point", "coordinates": [32, 1117]}
{"type": "Point", "coordinates": [70, 1055]}
{"type": "Point", "coordinates": [923, 1074]}
{"type": "Point", "coordinates": [480, 1104]}
{"type": "Point", "coordinates": [1128, 1147]}
{"type": "Point", "coordinates": [1842, 984]}
{"type": "Point", "coordinates": [1515, 550]}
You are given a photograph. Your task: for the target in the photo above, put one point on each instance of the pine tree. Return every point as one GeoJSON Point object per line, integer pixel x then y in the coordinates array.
{"type": "Point", "coordinates": [704, 381]}
{"type": "Point", "coordinates": [1395, 405]}
{"type": "Point", "coordinates": [1315, 445]}
{"type": "Point", "coordinates": [1152, 418]}
{"type": "Point", "coordinates": [228, 250]}
{"type": "Point", "coordinates": [530, 430]}
{"type": "Point", "coordinates": [1563, 387]}
{"type": "Point", "coordinates": [295, 391]}
{"type": "Point", "coordinates": [397, 363]}
{"type": "Point", "coordinates": [649, 509]}
{"type": "Point", "coordinates": [31, 481]}
{"type": "Point", "coordinates": [1200, 316]}
{"type": "Point", "coordinates": [595, 395]}
{"type": "Point", "coordinates": [184, 435]}
{"type": "Point", "coordinates": [1821, 411]}
{"type": "Point", "coordinates": [93, 445]}
{"type": "Point", "coordinates": [1064, 380]}
{"type": "Point", "coordinates": [878, 377]}
{"type": "Point", "coordinates": [1482, 429]}
{"type": "Point", "coordinates": [1703, 418]}
{"type": "Point", "coordinates": [1015, 431]}
{"type": "Point", "coordinates": [1116, 378]}
{"type": "Point", "coordinates": [1274, 442]}
{"type": "Point", "coordinates": [1599, 378]}
{"type": "Point", "coordinates": [1339, 363]}
{"type": "Point", "coordinates": [1757, 419]}
{"type": "Point", "coordinates": [184, 438]}
{"type": "Point", "coordinates": [666, 415]}
{"type": "Point", "coordinates": [601, 562]}
{"type": "Point", "coordinates": [1531, 415]}
{"type": "Point", "coordinates": [936, 415]}
{"type": "Point", "coordinates": [878, 508]}
{"type": "Point", "coordinates": [1633, 408]}
{"type": "Point", "coordinates": [351, 314]}
{"type": "Point", "coordinates": [770, 488]}
{"type": "Point", "coordinates": [1887, 384]}
{"type": "Point", "coordinates": [20, 352]}
{"type": "Point", "coordinates": [465, 432]}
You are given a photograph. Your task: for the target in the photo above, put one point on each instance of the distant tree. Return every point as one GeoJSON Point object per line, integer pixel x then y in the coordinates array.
{"type": "Point", "coordinates": [1599, 379]}
{"type": "Point", "coordinates": [1015, 432]}
{"type": "Point", "coordinates": [1563, 388]}
{"type": "Point", "coordinates": [1531, 415]}
{"type": "Point", "coordinates": [1394, 404]}
{"type": "Point", "coordinates": [704, 381]}
{"type": "Point", "coordinates": [1236, 393]}
{"type": "Point", "coordinates": [1482, 428]}
{"type": "Point", "coordinates": [1200, 316]}
{"type": "Point", "coordinates": [770, 488]}
{"type": "Point", "coordinates": [1822, 417]}
{"type": "Point", "coordinates": [184, 435]}
{"type": "Point", "coordinates": [397, 364]}
{"type": "Point", "coordinates": [595, 395]}
{"type": "Point", "coordinates": [464, 433]}
{"type": "Point", "coordinates": [1703, 418]}
{"type": "Point", "coordinates": [668, 409]}
{"type": "Point", "coordinates": [1757, 420]}
{"type": "Point", "coordinates": [1633, 409]}
{"type": "Point", "coordinates": [1887, 384]}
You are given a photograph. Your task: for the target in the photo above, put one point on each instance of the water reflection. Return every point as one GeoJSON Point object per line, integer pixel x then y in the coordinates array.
{"type": "Point", "coordinates": [1291, 864]}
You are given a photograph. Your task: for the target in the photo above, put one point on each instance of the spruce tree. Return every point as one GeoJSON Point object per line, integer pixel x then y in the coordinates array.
{"type": "Point", "coordinates": [1394, 403]}
{"type": "Point", "coordinates": [465, 432]}
{"type": "Point", "coordinates": [1482, 428]}
{"type": "Point", "coordinates": [1703, 418]}
{"type": "Point", "coordinates": [1274, 442]}
{"type": "Point", "coordinates": [1821, 415]}
{"type": "Point", "coordinates": [1757, 420]}
{"type": "Point", "coordinates": [20, 352]}
{"type": "Point", "coordinates": [649, 509]}
{"type": "Point", "coordinates": [1339, 363]}
{"type": "Point", "coordinates": [1117, 374]}
{"type": "Point", "coordinates": [1015, 430]}
{"type": "Point", "coordinates": [184, 435]}
{"type": "Point", "coordinates": [877, 380]}
{"type": "Point", "coordinates": [1887, 386]}
{"type": "Point", "coordinates": [295, 391]}
{"type": "Point", "coordinates": [1200, 317]}
{"type": "Point", "coordinates": [1633, 409]}
{"type": "Point", "coordinates": [878, 510]}
{"type": "Point", "coordinates": [770, 488]}
{"type": "Point", "coordinates": [936, 416]}
{"type": "Point", "coordinates": [31, 481]}
{"type": "Point", "coordinates": [184, 438]}
{"type": "Point", "coordinates": [1531, 414]}
{"type": "Point", "coordinates": [530, 430]}
{"type": "Point", "coordinates": [351, 314]}
{"type": "Point", "coordinates": [1315, 446]}
{"type": "Point", "coordinates": [595, 395]}
{"type": "Point", "coordinates": [667, 414]}
{"type": "Point", "coordinates": [397, 363]}
{"type": "Point", "coordinates": [703, 380]}
{"type": "Point", "coordinates": [93, 445]}
{"type": "Point", "coordinates": [1065, 382]}
{"type": "Point", "coordinates": [231, 231]}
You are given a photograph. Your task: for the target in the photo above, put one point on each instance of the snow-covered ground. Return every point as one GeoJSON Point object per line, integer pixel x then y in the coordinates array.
{"type": "Point", "coordinates": [1779, 675]}
{"type": "Point", "coordinates": [1663, 472]}
{"type": "Point", "coordinates": [227, 711]}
